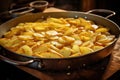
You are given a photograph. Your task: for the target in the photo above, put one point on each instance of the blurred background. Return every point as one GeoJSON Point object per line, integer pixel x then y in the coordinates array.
{"type": "Point", "coordinates": [76, 5]}
{"type": "Point", "coordinates": [71, 5]}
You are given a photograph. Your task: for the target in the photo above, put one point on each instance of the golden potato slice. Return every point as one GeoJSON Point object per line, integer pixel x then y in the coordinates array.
{"type": "Point", "coordinates": [53, 51]}
{"type": "Point", "coordinates": [47, 55]}
{"type": "Point", "coordinates": [9, 42]}
{"type": "Point", "coordinates": [75, 49]}
{"type": "Point", "coordinates": [56, 20]}
{"type": "Point", "coordinates": [54, 48]}
{"type": "Point", "coordinates": [65, 51]}
{"type": "Point", "coordinates": [95, 48]}
{"type": "Point", "coordinates": [61, 40]}
{"type": "Point", "coordinates": [84, 38]}
{"type": "Point", "coordinates": [70, 31]}
{"type": "Point", "coordinates": [26, 50]}
{"type": "Point", "coordinates": [87, 44]}
{"type": "Point", "coordinates": [39, 28]}
{"type": "Point", "coordinates": [85, 50]}
{"type": "Point", "coordinates": [101, 30]}
{"type": "Point", "coordinates": [25, 37]}
{"type": "Point", "coordinates": [57, 44]}
{"type": "Point", "coordinates": [41, 48]}
{"type": "Point", "coordinates": [52, 33]}
{"type": "Point", "coordinates": [77, 42]}
{"type": "Point", "coordinates": [106, 39]}
{"type": "Point", "coordinates": [75, 55]}
{"type": "Point", "coordinates": [66, 40]}
{"type": "Point", "coordinates": [76, 36]}
{"type": "Point", "coordinates": [4, 42]}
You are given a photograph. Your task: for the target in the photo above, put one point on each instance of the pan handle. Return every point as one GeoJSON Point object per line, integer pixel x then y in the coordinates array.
{"type": "Point", "coordinates": [15, 62]}
{"type": "Point", "coordinates": [20, 11]}
{"type": "Point", "coordinates": [103, 12]}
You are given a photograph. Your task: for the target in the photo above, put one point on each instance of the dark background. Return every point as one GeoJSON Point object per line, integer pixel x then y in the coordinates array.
{"type": "Point", "coordinates": [71, 5]}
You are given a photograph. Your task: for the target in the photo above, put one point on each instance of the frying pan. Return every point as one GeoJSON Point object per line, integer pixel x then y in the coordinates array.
{"type": "Point", "coordinates": [58, 63]}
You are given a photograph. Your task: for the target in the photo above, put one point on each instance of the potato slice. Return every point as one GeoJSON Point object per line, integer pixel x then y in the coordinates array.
{"type": "Point", "coordinates": [101, 30]}
{"type": "Point", "coordinates": [25, 50]}
{"type": "Point", "coordinates": [25, 37]}
{"type": "Point", "coordinates": [84, 38]}
{"type": "Point", "coordinates": [66, 40]}
{"type": "Point", "coordinates": [4, 42]}
{"type": "Point", "coordinates": [47, 55]}
{"type": "Point", "coordinates": [41, 48]}
{"type": "Point", "coordinates": [87, 44]}
{"type": "Point", "coordinates": [65, 51]}
{"type": "Point", "coordinates": [85, 50]}
{"type": "Point", "coordinates": [75, 55]}
{"type": "Point", "coordinates": [56, 44]}
{"type": "Point", "coordinates": [75, 49]}
{"type": "Point", "coordinates": [95, 48]}
{"type": "Point", "coordinates": [55, 52]}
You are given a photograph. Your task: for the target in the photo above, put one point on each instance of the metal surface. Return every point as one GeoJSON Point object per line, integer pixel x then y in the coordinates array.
{"type": "Point", "coordinates": [108, 12]}
{"type": "Point", "coordinates": [63, 63]}
{"type": "Point", "coordinates": [20, 11]}
{"type": "Point", "coordinates": [14, 62]}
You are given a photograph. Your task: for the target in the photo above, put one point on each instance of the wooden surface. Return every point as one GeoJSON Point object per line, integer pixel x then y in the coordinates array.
{"type": "Point", "coordinates": [114, 64]}
{"type": "Point", "coordinates": [52, 9]}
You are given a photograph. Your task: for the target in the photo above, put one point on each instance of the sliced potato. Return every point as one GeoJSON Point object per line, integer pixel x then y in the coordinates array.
{"type": "Point", "coordinates": [57, 37]}
{"type": "Point", "coordinates": [75, 49]}
{"type": "Point", "coordinates": [47, 55]}
{"type": "Point", "coordinates": [95, 48]}
{"type": "Point", "coordinates": [25, 50]}
{"type": "Point", "coordinates": [41, 48]}
{"type": "Point", "coordinates": [85, 50]}
{"type": "Point", "coordinates": [75, 55]}
{"type": "Point", "coordinates": [102, 30]}
{"type": "Point", "coordinates": [65, 51]}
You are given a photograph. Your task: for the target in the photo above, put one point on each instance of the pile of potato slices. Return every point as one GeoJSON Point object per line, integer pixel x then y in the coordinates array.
{"type": "Point", "coordinates": [57, 38]}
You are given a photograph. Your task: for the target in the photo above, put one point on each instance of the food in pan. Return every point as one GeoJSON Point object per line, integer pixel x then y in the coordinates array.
{"type": "Point", "coordinates": [57, 38]}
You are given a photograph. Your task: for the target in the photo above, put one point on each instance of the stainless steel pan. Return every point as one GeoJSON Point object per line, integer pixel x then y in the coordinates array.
{"type": "Point", "coordinates": [64, 63]}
